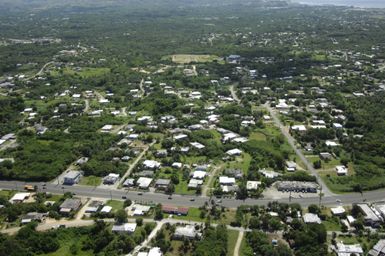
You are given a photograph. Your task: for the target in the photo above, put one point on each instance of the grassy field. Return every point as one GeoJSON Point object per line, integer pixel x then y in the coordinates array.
{"type": "Point", "coordinates": [188, 58]}
{"type": "Point", "coordinates": [90, 181]}
{"type": "Point", "coordinates": [84, 72]}
{"type": "Point", "coordinates": [241, 163]}
{"type": "Point", "coordinates": [231, 241]}
{"type": "Point", "coordinates": [116, 205]}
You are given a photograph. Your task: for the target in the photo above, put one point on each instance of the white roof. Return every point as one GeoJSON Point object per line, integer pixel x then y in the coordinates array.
{"type": "Point", "coordinates": [155, 251]}
{"type": "Point", "coordinates": [343, 249]}
{"type": "Point", "coordinates": [113, 175]}
{"type": "Point", "coordinates": [234, 151]}
{"type": "Point", "coordinates": [311, 218]}
{"type": "Point", "coordinates": [350, 219]}
{"type": "Point", "coordinates": [106, 209]}
{"type": "Point", "coordinates": [19, 197]}
{"type": "Point", "coordinates": [331, 143]}
{"type": "Point", "coordinates": [107, 127]}
{"type": "Point", "coordinates": [298, 127]}
{"type": "Point", "coordinates": [144, 182]}
{"type": "Point", "coordinates": [337, 210]}
{"type": "Point", "coordinates": [199, 175]}
{"type": "Point", "coordinates": [126, 227]}
{"type": "Point", "coordinates": [151, 163]}
{"type": "Point", "coordinates": [226, 180]}
{"type": "Point", "coordinates": [341, 169]}
{"type": "Point", "coordinates": [180, 136]}
{"type": "Point", "coordinates": [252, 185]}
{"type": "Point", "coordinates": [197, 145]}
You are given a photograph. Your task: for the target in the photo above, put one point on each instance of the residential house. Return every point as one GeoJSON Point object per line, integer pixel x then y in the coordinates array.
{"type": "Point", "coordinates": [162, 184]}
{"type": "Point", "coordinates": [19, 197]}
{"type": "Point", "coordinates": [342, 249]}
{"type": "Point", "coordinates": [127, 228]}
{"type": "Point", "coordinates": [70, 205]}
{"type": "Point", "coordinates": [186, 232]}
{"type": "Point", "coordinates": [111, 179]}
{"type": "Point", "coordinates": [378, 249]}
{"type": "Point", "coordinates": [143, 182]}
{"type": "Point", "coordinates": [175, 210]}
{"type": "Point", "coordinates": [33, 216]}
{"type": "Point", "coordinates": [311, 218]}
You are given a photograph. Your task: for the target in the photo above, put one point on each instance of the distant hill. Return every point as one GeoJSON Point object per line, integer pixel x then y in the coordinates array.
{"type": "Point", "coordinates": [29, 5]}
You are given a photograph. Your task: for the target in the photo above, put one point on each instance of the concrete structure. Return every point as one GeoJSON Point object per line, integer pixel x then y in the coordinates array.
{"type": "Point", "coordinates": [297, 186]}
{"type": "Point", "coordinates": [72, 177]}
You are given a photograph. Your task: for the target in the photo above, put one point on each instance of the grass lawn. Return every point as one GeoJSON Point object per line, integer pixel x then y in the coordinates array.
{"type": "Point", "coordinates": [193, 215]}
{"type": "Point", "coordinates": [258, 136]}
{"type": "Point", "coordinates": [7, 193]}
{"type": "Point", "coordinates": [241, 163]}
{"type": "Point", "coordinates": [84, 72]}
{"type": "Point", "coordinates": [54, 198]}
{"type": "Point", "coordinates": [232, 236]}
{"type": "Point", "coordinates": [182, 188]}
{"type": "Point", "coordinates": [90, 181]}
{"type": "Point", "coordinates": [116, 205]}
{"type": "Point", "coordinates": [332, 224]}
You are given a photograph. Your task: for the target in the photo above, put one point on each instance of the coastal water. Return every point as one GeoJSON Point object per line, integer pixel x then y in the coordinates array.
{"type": "Point", "coordinates": [356, 3]}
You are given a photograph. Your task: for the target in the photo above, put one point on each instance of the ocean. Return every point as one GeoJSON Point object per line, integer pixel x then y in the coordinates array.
{"type": "Point", "coordinates": [356, 3]}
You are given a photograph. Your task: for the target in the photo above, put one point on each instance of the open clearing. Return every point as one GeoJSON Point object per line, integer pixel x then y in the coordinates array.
{"type": "Point", "coordinates": [188, 58]}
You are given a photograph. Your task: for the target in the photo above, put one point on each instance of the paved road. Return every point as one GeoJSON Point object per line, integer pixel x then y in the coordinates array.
{"type": "Point", "coordinates": [298, 151]}
{"type": "Point", "coordinates": [234, 94]}
{"type": "Point", "coordinates": [132, 166]}
{"type": "Point", "coordinates": [182, 200]}
{"type": "Point", "coordinates": [42, 69]}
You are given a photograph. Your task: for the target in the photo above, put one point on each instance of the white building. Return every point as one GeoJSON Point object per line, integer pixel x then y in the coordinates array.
{"type": "Point", "coordinates": [311, 218]}
{"type": "Point", "coordinates": [341, 170]}
{"type": "Point", "coordinates": [224, 180]}
{"type": "Point", "coordinates": [143, 182]}
{"type": "Point", "coordinates": [151, 164]}
{"type": "Point", "coordinates": [342, 249]}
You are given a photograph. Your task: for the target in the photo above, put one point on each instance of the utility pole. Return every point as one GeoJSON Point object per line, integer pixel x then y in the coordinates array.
{"type": "Point", "coordinates": [320, 196]}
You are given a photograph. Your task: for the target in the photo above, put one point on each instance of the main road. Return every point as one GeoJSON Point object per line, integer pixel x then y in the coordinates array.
{"type": "Point", "coordinates": [191, 201]}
